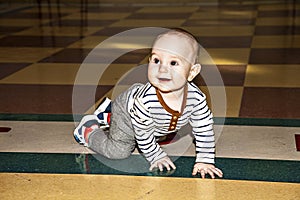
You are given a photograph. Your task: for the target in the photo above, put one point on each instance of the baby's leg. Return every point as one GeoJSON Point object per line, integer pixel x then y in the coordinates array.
{"type": "Point", "coordinates": [120, 141]}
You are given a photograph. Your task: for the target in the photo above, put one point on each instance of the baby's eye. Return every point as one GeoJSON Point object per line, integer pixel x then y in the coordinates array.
{"type": "Point", "coordinates": [155, 60]}
{"type": "Point", "coordinates": [173, 63]}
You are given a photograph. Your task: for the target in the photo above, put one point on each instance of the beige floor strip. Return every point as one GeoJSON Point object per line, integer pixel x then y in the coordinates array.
{"type": "Point", "coordinates": [257, 142]}
{"type": "Point", "coordinates": [55, 186]}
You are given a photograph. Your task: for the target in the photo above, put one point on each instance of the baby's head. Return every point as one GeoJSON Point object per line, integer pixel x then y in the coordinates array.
{"type": "Point", "coordinates": [173, 60]}
{"type": "Point", "coordinates": [179, 42]}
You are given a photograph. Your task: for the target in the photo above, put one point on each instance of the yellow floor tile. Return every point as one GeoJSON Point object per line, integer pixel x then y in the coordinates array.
{"type": "Point", "coordinates": [211, 31]}
{"type": "Point", "coordinates": [273, 7]}
{"type": "Point", "coordinates": [89, 42]}
{"type": "Point", "coordinates": [59, 186]}
{"type": "Point", "coordinates": [285, 41]}
{"type": "Point", "coordinates": [114, 73]}
{"type": "Point", "coordinates": [234, 98]}
{"type": "Point", "coordinates": [59, 31]}
{"type": "Point", "coordinates": [119, 41]}
{"type": "Point", "coordinates": [168, 9]}
{"type": "Point", "coordinates": [277, 21]}
{"type": "Point", "coordinates": [144, 23]}
{"type": "Point", "coordinates": [272, 76]}
{"type": "Point", "coordinates": [24, 54]}
{"type": "Point", "coordinates": [44, 73]}
{"type": "Point", "coordinates": [223, 101]}
{"type": "Point", "coordinates": [129, 43]}
{"type": "Point", "coordinates": [65, 74]}
{"type": "Point", "coordinates": [229, 56]}
{"type": "Point", "coordinates": [217, 14]}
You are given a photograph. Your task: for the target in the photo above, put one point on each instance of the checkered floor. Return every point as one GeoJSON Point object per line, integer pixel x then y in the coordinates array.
{"type": "Point", "coordinates": [255, 48]}
{"type": "Point", "coordinates": [250, 74]}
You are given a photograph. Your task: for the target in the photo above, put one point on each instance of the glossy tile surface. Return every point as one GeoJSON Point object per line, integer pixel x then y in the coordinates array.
{"type": "Point", "coordinates": [243, 41]}
{"type": "Point", "coordinates": [49, 65]}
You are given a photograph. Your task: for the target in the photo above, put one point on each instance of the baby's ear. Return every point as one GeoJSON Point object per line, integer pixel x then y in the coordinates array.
{"type": "Point", "coordinates": [195, 70]}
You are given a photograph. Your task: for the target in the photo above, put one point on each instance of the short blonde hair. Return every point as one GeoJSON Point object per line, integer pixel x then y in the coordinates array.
{"type": "Point", "coordinates": [187, 35]}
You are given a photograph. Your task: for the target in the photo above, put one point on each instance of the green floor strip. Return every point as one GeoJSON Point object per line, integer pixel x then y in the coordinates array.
{"type": "Point", "coordinates": [217, 120]}
{"type": "Point", "coordinates": [38, 117]}
{"type": "Point", "coordinates": [234, 169]}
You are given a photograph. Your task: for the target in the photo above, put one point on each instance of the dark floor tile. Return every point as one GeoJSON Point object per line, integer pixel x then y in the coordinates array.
{"type": "Point", "coordinates": [159, 16]}
{"type": "Point", "coordinates": [35, 15]}
{"type": "Point", "coordinates": [11, 29]}
{"type": "Point", "coordinates": [131, 31]}
{"type": "Point", "coordinates": [84, 55]}
{"type": "Point", "coordinates": [97, 56]}
{"type": "Point", "coordinates": [219, 22]}
{"type": "Point", "coordinates": [277, 30]}
{"type": "Point", "coordinates": [81, 22]}
{"type": "Point", "coordinates": [111, 9]}
{"type": "Point", "coordinates": [37, 41]}
{"type": "Point", "coordinates": [46, 99]}
{"type": "Point", "coordinates": [270, 103]}
{"type": "Point", "coordinates": [231, 75]}
{"type": "Point", "coordinates": [225, 42]}
{"type": "Point", "coordinates": [275, 56]}
{"type": "Point", "coordinates": [4, 129]}
{"type": "Point", "coordinates": [68, 56]}
{"type": "Point", "coordinates": [7, 69]}
{"type": "Point", "coordinates": [297, 139]}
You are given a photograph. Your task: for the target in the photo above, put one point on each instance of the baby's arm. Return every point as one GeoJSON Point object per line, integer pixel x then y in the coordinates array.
{"type": "Point", "coordinates": [144, 134]}
{"type": "Point", "coordinates": [152, 151]}
{"type": "Point", "coordinates": [202, 123]}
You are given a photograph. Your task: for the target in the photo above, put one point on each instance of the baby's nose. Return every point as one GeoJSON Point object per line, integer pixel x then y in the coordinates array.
{"type": "Point", "coordinates": [163, 68]}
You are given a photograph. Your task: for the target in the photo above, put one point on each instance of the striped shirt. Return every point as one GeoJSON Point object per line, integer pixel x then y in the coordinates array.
{"type": "Point", "coordinates": [151, 118]}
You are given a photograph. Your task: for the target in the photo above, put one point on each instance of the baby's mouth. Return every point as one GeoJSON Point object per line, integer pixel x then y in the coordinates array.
{"type": "Point", "coordinates": [164, 79]}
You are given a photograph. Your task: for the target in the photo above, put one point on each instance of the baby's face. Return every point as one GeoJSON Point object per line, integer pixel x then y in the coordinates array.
{"type": "Point", "coordinates": [170, 63]}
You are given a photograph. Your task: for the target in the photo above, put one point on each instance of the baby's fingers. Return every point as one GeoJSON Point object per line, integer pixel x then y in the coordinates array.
{"type": "Point", "coordinates": [161, 166]}
{"type": "Point", "coordinates": [170, 164]}
{"type": "Point", "coordinates": [164, 162]}
{"type": "Point", "coordinates": [203, 172]}
{"type": "Point", "coordinates": [218, 172]}
{"type": "Point", "coordinates": [154, 165]}
{"type": "Point", "coordinates": [195, 171]}
{"type": "Point", "coordinates": [211, 173]}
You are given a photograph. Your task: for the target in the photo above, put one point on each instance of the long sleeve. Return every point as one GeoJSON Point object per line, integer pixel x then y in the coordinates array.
{"type": "Point", "coordinates": [202, 123]}
{"type": "Point", "coordinates": [144, 128]}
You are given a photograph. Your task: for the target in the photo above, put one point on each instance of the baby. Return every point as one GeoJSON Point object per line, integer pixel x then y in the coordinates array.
{"type": "Point", "coordinates": [145, 112]}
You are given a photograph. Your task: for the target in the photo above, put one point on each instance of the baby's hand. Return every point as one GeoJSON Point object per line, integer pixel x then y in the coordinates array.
{"type": "Point", "coordinates": [203, 169]}
{"type": "Point", "coordinates": [163, 162]}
